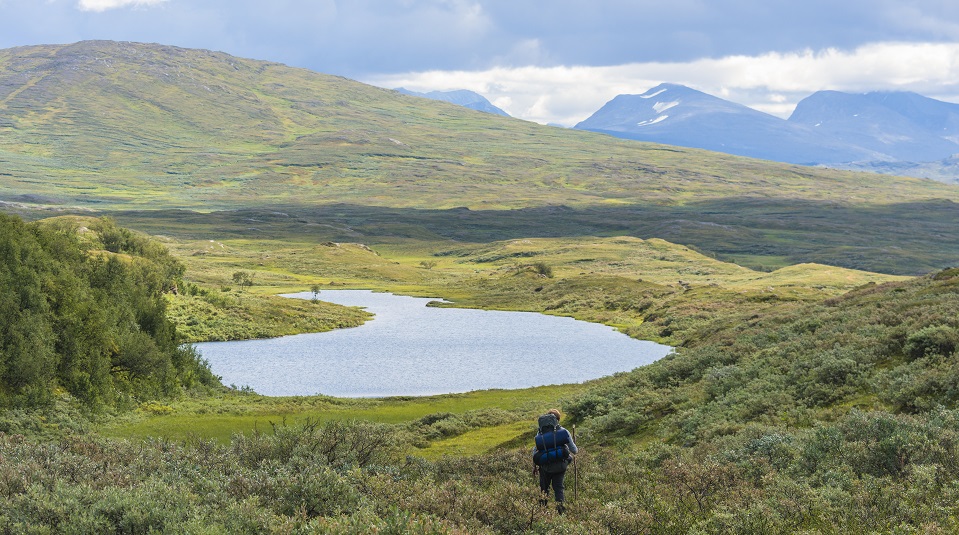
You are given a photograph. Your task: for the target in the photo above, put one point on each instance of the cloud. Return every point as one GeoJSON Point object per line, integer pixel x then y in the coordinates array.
{"type": "Point", "coordinates": [360, 38]}
{"type": "Point", "coordinates": [104, 5]}
{"type": "Point", "coordinates": [771, 82]}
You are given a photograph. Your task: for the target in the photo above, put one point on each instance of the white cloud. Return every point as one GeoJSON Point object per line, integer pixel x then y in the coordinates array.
{"type": "Point", "coordinates": [772, 82]}
{"type": "Point", "coordinates": [104, 5]}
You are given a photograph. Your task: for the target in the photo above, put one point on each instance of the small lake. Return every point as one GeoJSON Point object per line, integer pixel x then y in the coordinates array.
{"type": "Point", "coordinates": [411, 349]}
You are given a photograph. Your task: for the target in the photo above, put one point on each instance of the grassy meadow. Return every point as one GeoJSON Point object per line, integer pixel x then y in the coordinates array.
{"type": "Point", "coordinates": [650, 289]}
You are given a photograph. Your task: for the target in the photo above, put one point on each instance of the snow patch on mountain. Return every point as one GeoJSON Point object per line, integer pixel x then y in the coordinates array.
{"type": "Point", "coordinates": [661, 91]}
{"type": "Point", "coordinates": [659, 119]}
{"type": "Point", "coordinates": [660, 107]}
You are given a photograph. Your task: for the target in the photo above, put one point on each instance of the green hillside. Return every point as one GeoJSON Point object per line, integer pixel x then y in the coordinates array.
{"type": "Point", "coordinates": [83, 314]}
{"type": "Point", "coordinates": [112, 126]}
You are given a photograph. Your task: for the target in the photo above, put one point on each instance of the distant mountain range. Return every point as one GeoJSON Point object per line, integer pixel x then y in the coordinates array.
{"type": "Point", "coordinates": [890, 132]}
{"type": "Point", "coordinates": [461, 97]}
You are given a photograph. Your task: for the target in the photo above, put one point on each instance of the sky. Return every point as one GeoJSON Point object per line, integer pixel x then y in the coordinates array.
{"type": "Point", "coordinates": [554, 61]}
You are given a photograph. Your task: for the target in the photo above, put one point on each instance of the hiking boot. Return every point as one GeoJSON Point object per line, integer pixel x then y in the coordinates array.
{"type": "Point", "coordinates": [560, 508]}
{"type": "Point", "coordinates": [544, 502]}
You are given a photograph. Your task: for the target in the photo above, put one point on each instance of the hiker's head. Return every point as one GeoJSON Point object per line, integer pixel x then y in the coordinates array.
{"type": "Point", "coordinates": [556, 413]}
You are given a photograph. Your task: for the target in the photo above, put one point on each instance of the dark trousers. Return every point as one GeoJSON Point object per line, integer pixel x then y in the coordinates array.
{"type": "Point", "coordinates": [556, 480]}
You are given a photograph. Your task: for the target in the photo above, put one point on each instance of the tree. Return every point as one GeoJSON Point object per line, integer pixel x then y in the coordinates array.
{"type": "Point", "coordinates": [243, 278]}
{"type": "Point", "coordinates": [78, 316]}
{"type": "Point", "coordinates": [541, 268]}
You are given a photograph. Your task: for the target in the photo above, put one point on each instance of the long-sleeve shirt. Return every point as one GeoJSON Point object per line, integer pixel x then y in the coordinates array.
{"type": "Point", "coordinates": [572, 446]}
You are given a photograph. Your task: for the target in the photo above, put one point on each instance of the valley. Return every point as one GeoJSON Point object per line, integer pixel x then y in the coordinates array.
{"type": "Point", "coordinates": [814, 312]}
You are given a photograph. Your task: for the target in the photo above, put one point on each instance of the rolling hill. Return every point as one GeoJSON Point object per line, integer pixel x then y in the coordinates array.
{"type": "Point", "coordinates": [138, 127]}
{"type": "Point", "coordinates": [794, 405]}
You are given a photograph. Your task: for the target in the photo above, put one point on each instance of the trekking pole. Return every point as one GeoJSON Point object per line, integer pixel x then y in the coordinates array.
{"type": "Point", "coordinates": [575, 475]}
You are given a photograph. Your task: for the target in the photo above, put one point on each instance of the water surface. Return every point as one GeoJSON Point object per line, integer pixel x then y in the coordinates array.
{"type": "Point", "coordinates": [411, 349]}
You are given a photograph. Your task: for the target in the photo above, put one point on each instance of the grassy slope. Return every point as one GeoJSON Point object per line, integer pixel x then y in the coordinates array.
{"type": "Point", "coordinates": [126, 126]}
{"type": "Point", "coordinates": [774, 360]}
{"type": "Point", "coordinates": [197, 129]}
{"type": "Point", "coordinates": [219, 418]}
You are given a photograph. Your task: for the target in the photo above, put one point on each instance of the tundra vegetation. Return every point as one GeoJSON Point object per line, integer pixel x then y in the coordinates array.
{"type": "Point", "coordinates": [813, 390]}
{"type": "Point", "coordinates": [811, 409]}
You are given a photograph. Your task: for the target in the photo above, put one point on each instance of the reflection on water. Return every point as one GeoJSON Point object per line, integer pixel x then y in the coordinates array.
{"type": "Point", "coordinates": [411, 349]}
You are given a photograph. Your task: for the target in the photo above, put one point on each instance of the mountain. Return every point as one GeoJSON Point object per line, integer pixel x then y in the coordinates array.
{"type": "Point", "coordinates": [677, 115]}
{"type": "Point", "coordinates": [903, 125]}
{"type": "Point", "coordinates": [108, 124]}
{"type": "Point", "coordinates": [461, 97]}
{"type": "Point", "coordinates": [132, 129]}
{"type": "Point", "coordinates": [945, 170]}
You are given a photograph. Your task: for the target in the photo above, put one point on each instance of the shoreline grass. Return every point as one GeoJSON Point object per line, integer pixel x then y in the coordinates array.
{"type": "Point", "coordinates": [218, 418]}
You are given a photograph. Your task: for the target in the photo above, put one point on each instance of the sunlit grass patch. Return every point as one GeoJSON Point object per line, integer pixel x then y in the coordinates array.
{"type": "Point", "coordinates": [219, 418]}
{"type": "Point", "coordinates": [478, 441]}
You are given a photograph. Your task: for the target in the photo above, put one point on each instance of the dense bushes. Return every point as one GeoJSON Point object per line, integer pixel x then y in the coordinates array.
{"type": "Point", "coordinates": [760, 423]}
{"type": "Point", "coordinates": [887, 347]}
{"type": "Point", "coordinates": [866, 472]}
{"type": "Point", "coordinates": [305, 479]}
{"type": "Point", "coordinates": [83, 311]}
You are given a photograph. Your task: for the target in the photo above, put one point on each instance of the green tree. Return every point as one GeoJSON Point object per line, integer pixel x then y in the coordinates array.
{"type": "Point", "coordinates": [89, 320]}
{"type": "Point", "coordinates": [244, 279]}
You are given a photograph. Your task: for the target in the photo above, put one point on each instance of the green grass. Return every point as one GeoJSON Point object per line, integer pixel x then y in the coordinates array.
{"type": "Point", "coordinates": [219, 418]}
{"type": "Point", "coordinates": [239, 315]}
{"type": "Point", "coordinates": [480, 441]}
{"type": "Point", "coordinates": [304, 179]}
{"type": "Point", "coordinates": [625, 282]}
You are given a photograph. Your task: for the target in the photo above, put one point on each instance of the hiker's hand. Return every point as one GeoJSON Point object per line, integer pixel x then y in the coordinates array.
{"type": "Point", "coordinates": [535, 470]}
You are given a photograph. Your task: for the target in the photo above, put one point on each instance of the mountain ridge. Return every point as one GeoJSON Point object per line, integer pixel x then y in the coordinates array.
{"type": "Point", "coordinates": [902, 125]}
{"type": "Point", "coordinates": [678, 115]}
{"type": "Point", "coordinates": [880, 131]}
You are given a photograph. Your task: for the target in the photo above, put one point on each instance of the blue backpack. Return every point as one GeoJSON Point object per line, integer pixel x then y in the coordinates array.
{"type": "Point", "coordinates": [551, 442]}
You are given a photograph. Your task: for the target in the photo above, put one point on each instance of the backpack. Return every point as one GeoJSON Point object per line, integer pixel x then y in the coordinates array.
{"type": "Point", "coordinates": [548, 422]}
{"type": "Point", "coordinates": [551, 442]}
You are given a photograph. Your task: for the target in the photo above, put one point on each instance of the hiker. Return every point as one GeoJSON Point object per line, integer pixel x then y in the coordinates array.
{"type": "Point", "coordinates": [553, 452]}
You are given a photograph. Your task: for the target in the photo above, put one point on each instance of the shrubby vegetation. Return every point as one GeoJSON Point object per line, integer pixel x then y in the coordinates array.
{"type": "Point", "coordinates": [887, 347]}
{"type": "Point", "coordinates": [777, 415]}
{"type": "Point", "coordinates": [83, 311]}
{"type": "Point", "coordinates": [866, 472]}
{"type": "Point", "coordinates": [204, 315]}
{"type": "Point", "coordinates": [831, 417]}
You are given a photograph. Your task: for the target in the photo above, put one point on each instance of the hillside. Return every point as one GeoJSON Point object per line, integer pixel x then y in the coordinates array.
{"type": "Point", "coordinates": [191, 128]}
{"type": "Point", "coordinates": [83, 313]}
{"type": "Point", "coordinates": [125, 126]}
